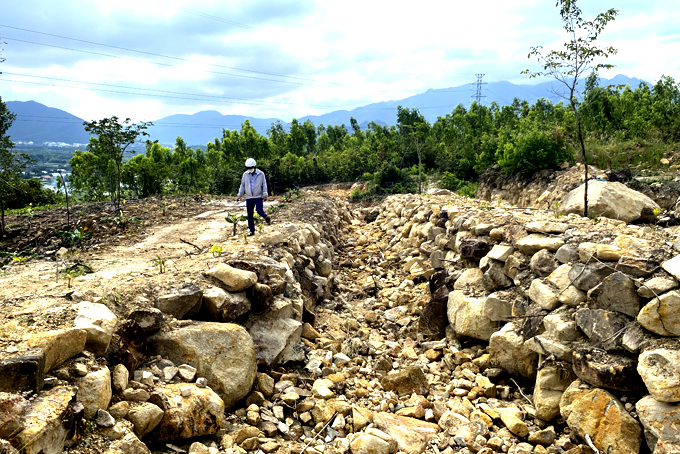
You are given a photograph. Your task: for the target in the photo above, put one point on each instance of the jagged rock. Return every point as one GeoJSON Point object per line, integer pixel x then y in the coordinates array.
{"type": "Point", "coordinates": [181, 301]}
{"type": "Point", "coordinates": [498, 306]}
{"type": "Point", "coordinates": [544, 437]}
{"type": "Point", "coordinates": [24, 372]}
{"type": "Point", "coordinates": [612, 200]}
{"type": "Point", "coordinates": [586, 277]}
{"type": "Point", "coordinates": [662, 314]}
{"type": "Point", "coordinates": [275, 340]}
{"type": "Point", "coordinates": [603, 328]}
{"type": "Point", "coordinates": [276, 283]}
{"type": "Point", "coordinates": [411, 435]}
{"type": "Point", "coordinates": [543, 263]}
{"type": "Point", "coordinates": [136, 395]}
{"type": "Point", "coordinates": [660, 370]}
{"type": "Point", "coordinates": [324, 267]}
{"type": "Point", "coordinates": [223, 353]}
{"type": "Point", "coordinates": [223, 306]}
{"type": "Point", "coordinates": [545, 345]}
{"type": "Point", "coordinates": [637, 267]}
{"type": "Point", "coordinates": [99, 323]}
{"type": "Point", "coordinates": [543, 295]}
{"type": "Point", "coordinates": [660, 420]}
{"type": "Point", "coordinates": [232, 279]}
{"type": "Point", "coordinates": [466, 316]}
{"type": "Point", "coordinates": [452, 422]}
{"type": "Point", "coordinates": [532, 243]}
{"type": "Point", "coordinates": [58, 345]}
{"type": "Point", "coordinates": [12, 407]}
{"type": "Point", "coordinates": [617, 293]}
{"type": "Point", "coordinates": [129, 444]}
{"type": "Point", "coordinates": [606, 370]}
{"type": "Point", "coordinates": [636, 338]}
{"type": "Point", "coordinates": [500, 252]}
{"type": "Point", "coordinates": [104, 419]}
{"type": "Point", "coordinates": [145, 417]}
{"type": "Point", "coordinates": [508, 351]}
{"type": "Point", "coordinates": [94, 391]}
{"type": "Point", "coordinates": [672, 266]}
{"type": "Point", "coordinates": [51, 422]}
{"type": "Point", "coordinates": [568, 294]}
{"type": "Point", "coordinates": [561, 326]}
{"type": "Point", "coordinates": [473, 248]}
{"type": "Point", "coordinates": [657, 286]}
{"type": "Point", "coordinates": [7, 448]}
{"type": "Point", "coordinates": [602, 416]}
{"type": "Point", "coordinates": [515, 264]}
{"type": "Point", "coordinates": [551, 381]}
{"type": "Point", "coordinates": [260, 297]}
{"type": "Point", "coordinates": [200, 413]}
{"type": "Point", "coordinates": [512, 418]}
{"type": "Point", "coordinates": [408, 381]}
{"type": "Point", "coordinates": [148, 319]}
{"type": "Point", "coordinates": [494, 278]}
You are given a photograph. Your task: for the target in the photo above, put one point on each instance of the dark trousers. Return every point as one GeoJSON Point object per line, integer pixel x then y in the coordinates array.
{"type": "Point", "coordinates": [255, 203]}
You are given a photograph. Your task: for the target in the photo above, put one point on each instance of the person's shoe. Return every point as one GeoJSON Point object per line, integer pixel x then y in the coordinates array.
{"type": "Point", "coordinates": [268, 220]}
{"type": "Point", "coordinates": [251, 234]}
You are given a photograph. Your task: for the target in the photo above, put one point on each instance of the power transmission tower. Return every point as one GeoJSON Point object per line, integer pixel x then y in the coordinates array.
{"type": "Point", "coordinates": [478, 96]}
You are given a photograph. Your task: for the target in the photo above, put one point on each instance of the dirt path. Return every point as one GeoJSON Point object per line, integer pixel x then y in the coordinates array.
{"type": "Point", "coordinates": [116, 263]}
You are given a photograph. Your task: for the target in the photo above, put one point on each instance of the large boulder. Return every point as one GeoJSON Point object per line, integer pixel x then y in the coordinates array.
{"type": "Point", "coordinates": [508, 351]}
{"type": "Point", "coordinates": [231, 279]}
{"type": "Point", "coordinates": [190, 412]}
{"type": "Point", "coordinates": [662, 315]}
{"type": "Point", "coordinates": [94, 391]}
{"type": "Point", "coordinates": [612, 200]}
{"type": "Point", "coordinates": [51, 422]}
{"type": "Point", "coordinates": [467, 316]}
{"type": "Point", "coordinates": [660, 420]}
{"type": "Point", "coordinates": [180, 301]}
{"type": "Point", "coordinates": [99, 323]}
{"type": "Point", "coordinates": [599, 414]}
{"type": "Point", "coordinates": [276, 340]}
{"type": "Point", "coordinates": [660, 370]}
{"type": "Point", "coordinates": [58, 345]}
{"type": "Point", "coordinates": [223, 353]}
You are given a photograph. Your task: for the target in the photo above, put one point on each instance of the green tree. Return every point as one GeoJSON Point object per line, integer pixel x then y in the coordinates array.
{"type": "Point", "coordinates": [114, 137]}
{"type": "Point", "coordinates": [11, 163]}
{"type": "Point", "coordinates": [579, 57]}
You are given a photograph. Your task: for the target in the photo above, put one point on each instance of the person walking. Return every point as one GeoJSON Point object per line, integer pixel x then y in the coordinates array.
{"type": "Point", "coordinates": [254, 186]}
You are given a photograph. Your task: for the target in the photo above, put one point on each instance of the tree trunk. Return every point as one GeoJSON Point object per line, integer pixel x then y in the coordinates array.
{"type": "Point", "coordinates": [2, 216]}
{"type": "Point", "coordinates": [585, 164]}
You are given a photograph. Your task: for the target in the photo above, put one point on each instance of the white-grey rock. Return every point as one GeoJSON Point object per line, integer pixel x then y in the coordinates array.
{"type": "Point", "coordinates": [660, 420]}
{"type": "Point", "coordinates": [612, 200]}
{"type": "Point", "coordinates": [145, 417]}
{"type": "Point", "coordinates": [232, 279]}
{"type": "Point", "coordinates": [99, 323]}
{"type": "Point", "coordinates": [94, 391]}
{"type": "Point", "coordinates": [275, 340]}
{"type": "Point", "coordinates": [660, 370]}
{"type": "Point", "coordinates": [466, 316]}
{"type": "Point", "coordinates": [120, 377]}
{"type": "Point", "coordinates": [221, 352]}
{"type": "Point", "coordinates": [508, 351]}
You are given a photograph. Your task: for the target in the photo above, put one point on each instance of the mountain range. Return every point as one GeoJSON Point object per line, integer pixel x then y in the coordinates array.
{"type": "Point", "coordinates": [38, 123]}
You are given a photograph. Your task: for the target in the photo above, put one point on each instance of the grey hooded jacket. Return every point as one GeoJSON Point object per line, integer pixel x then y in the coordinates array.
{"type": "Point", "coordinates": [259, 188]}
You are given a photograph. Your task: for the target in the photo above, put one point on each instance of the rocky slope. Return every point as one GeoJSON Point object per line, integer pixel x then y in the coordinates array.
{"type": "Point", "coordinates": [427, 323]}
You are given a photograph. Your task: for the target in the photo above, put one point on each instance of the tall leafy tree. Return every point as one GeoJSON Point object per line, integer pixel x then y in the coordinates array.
{"type": "Point", "coordinates": [114, 137]}
{"type": "Point", "coordinates": [11, 163]}
{"type": "Point", "coordinates": [579, 56]}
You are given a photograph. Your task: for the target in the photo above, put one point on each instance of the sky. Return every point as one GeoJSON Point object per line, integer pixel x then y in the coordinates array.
{"type": "Point", "coordinates": [147, 59]}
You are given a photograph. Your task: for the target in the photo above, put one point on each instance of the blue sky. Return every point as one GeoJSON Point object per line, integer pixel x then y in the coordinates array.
{"type": "Point", "coordinates": [146, 59]}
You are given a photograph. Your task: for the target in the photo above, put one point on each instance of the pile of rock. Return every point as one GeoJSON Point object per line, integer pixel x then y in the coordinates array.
{"type": "Point", "coordinates": [586, 310]}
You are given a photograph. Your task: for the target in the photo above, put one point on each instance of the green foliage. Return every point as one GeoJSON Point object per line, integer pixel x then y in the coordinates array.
{"type": "Point", "coordinates": [532, 150]}
{"type": "Point", "coordinates": [78, 235]}
{"type": "Point", "coordinates": [468, 190]}
{"type": "Point", "coordinates": [234, 220]}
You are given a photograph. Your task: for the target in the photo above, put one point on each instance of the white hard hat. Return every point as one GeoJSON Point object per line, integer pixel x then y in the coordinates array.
{"type": "Point", "coordinates": [250, 162]}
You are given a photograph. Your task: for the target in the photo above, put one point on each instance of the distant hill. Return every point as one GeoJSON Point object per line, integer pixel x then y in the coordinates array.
{"type": "Point", "coordinates": [38, 123]}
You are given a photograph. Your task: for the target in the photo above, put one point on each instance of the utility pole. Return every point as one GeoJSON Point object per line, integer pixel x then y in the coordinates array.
{"type": "Point", "coordinates": [478, 96]}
